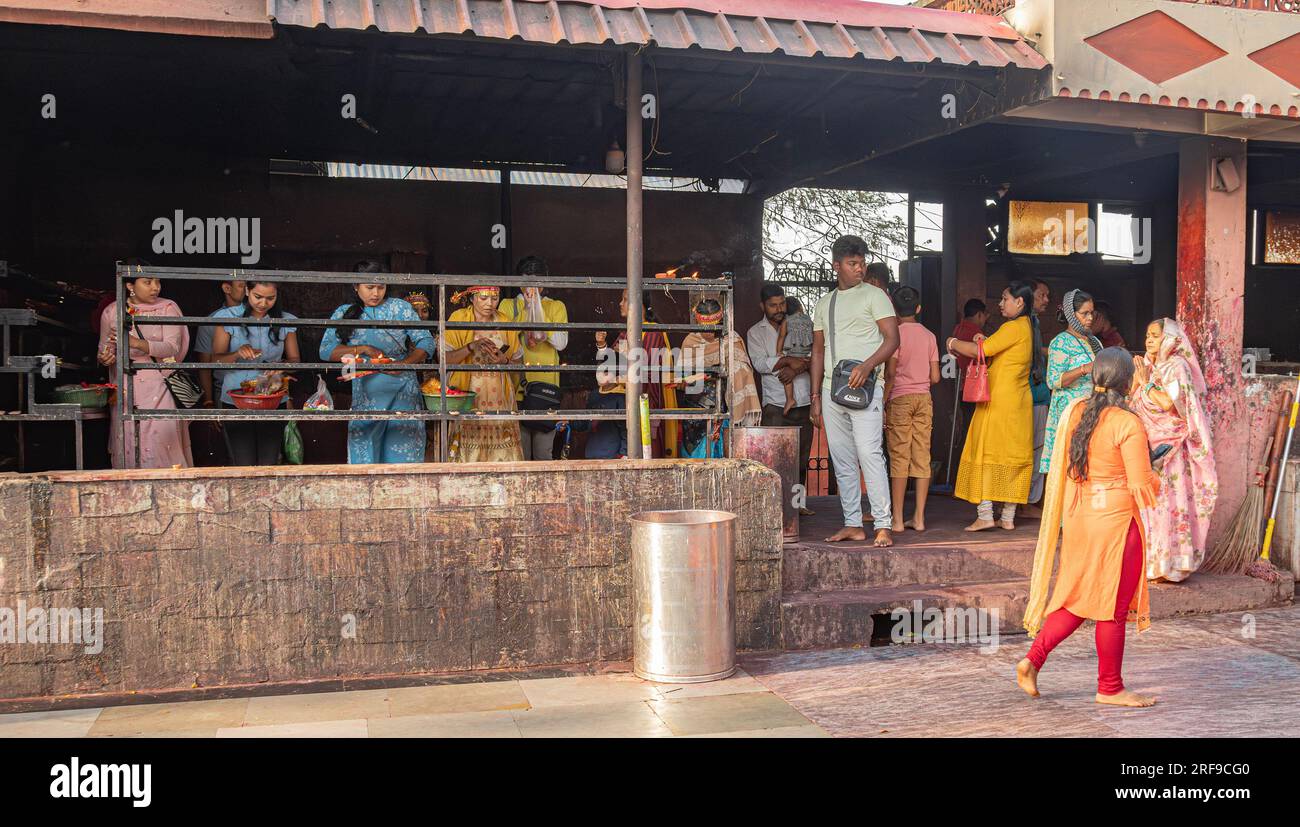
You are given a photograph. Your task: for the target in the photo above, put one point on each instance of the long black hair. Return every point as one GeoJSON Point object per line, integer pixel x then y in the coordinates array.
{"type": "Point", "coordinates": [275, 312]}
{"type": "Point", "coordinates": [1112, 373]}
{"type": "Point", "coordinates": [354, 309]}
{"type": "Point", "coordinates": [647, 309]}
{"type": "Point", "coordinates": [141, 265]}
{"type": "Point", "coordinates": [1024, 290]}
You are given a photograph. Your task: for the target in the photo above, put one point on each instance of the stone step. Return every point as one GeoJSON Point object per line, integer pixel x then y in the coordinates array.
{"type": "Point", "coordinates": [851, 617]}
{"type": "Point", "coordinates": [805, 569]}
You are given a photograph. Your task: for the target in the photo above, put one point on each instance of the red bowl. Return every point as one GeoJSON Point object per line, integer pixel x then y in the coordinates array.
{"type": "Point", "coordinates": [258, 401]}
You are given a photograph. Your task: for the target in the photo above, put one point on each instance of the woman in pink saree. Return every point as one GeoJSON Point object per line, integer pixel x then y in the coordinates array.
{"type": "Point", "coordinates": [163, 442]}
{"type": "Point", "coordinates": [1168, 396]}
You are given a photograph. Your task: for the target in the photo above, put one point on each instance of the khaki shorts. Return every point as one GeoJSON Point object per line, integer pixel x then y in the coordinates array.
{"type": "Point", "coordinates": [908, 421]}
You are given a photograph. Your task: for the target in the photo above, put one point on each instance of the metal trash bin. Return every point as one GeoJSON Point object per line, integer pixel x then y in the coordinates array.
{"type": "Point", "coordinates": [685, 597]}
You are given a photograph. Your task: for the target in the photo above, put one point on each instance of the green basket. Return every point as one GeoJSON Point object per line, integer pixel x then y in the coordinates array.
{"type": "Point", "coordinates": [85, 397]}
{"type": "Point", "coordinates": [461, 404]}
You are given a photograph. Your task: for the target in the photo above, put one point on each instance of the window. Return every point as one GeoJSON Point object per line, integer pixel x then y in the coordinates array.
{"type": "Point", "coordinates": [1281, 236]}
{"type": "Point", "coordinates": [1050, 228]}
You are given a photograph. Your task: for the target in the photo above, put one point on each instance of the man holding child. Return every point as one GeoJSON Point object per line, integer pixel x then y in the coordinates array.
{"type": "Point", "coordinates": [783, 370]}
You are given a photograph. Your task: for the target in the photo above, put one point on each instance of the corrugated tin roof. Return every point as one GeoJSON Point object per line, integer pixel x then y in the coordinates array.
{"type": "Point", "coordinates": [409, 172]}
{"type": "Point", "coordinates": [799, 28]}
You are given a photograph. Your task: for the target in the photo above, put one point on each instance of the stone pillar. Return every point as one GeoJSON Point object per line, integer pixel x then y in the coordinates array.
{"type": "Point", "coordinates": [965, 276]}
{"type": "Point", "coordinates": [1211, 281]}
{"type": "Point", "coordinates": [964, 264]}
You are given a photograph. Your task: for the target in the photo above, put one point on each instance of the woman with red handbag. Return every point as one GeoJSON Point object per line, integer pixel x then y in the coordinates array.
{"type": "Point", "coordinates": [997, 462]}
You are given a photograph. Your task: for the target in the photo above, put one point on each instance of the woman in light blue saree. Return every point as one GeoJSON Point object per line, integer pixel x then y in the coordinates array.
{"type": "Point", "coordinates": [382, 440]}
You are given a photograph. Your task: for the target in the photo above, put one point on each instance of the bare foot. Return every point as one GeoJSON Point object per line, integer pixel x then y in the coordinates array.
{"type": "Point", "coordinates": [1027, 677]}
{"type": "Point", "coordinates": [847, 533]}
{"type": "Point", "coordinates": [897, 525]}
{"type": "Point", "coordinates": [916, 524]}
{"type": "Point", "coordinates": [1007, 524]}
{"type": "Point", "coordinates": [1126, 697]}
{"type": "Point", "coordinates": [980, 525]}
{"type": "Point", "coordinates": [884, 539]}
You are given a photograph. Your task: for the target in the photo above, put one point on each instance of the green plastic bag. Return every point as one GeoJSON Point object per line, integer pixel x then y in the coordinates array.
{"type": "Point", "coordinates": [292, 444]}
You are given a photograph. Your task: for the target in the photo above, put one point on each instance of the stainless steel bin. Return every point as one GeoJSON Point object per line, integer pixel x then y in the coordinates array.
{"type": "Point", "coordinates": [684, 593]}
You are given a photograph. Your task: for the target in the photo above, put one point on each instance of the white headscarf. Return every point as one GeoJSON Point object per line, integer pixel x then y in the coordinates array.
{"type": "Point", "coordinates": [1176, 343]}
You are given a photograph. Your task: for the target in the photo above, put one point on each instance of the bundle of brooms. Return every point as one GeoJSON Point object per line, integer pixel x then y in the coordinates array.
{"type": "Point", "coordinates": [1238, 552]}
{"type": "Point", "coordinates": [1263, 568]}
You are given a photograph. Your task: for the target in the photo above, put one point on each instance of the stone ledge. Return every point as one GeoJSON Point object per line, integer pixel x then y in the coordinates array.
{"type": "Point", "coordinates": [502, 468]}
{"type": "Point", "coordinates": [829, 619]}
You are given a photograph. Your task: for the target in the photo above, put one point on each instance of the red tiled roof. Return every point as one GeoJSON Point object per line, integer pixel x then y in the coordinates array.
{"type": "Point", "coordinates": [800, 28]}
{"type": "Point", "coordinates": [209, 18]}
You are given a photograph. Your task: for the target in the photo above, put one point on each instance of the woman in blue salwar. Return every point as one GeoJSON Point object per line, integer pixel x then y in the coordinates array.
{"type": "Point", "coordinates": [382, 440]}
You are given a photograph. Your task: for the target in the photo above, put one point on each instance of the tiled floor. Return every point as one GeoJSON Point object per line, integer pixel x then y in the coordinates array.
{"type": "Point", "coordinates": [945, 519]}
{"type": "Point", "coordinates": [1217, 675]}
{"type": "Point", "coordinates": [617, 705]}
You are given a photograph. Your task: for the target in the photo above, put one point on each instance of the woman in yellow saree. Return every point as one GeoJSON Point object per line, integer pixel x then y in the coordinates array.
{"type": "Point", "coordinates": [997, 463]}
{"type": "Point", "coordinates": [1100, 477]}
{"type": "Point", "coordinates": [489, 440]}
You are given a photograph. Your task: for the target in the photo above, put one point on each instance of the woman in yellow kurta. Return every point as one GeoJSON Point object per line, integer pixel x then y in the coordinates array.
{"type": "Point", "coordinates": [997, 463]}
{"type": "Point", "coordinates": [487, 440]}
{"type": "Point", "coordinates": [1099, 478]}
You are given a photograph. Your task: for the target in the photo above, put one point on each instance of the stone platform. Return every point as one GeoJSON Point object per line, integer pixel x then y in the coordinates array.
{"type": "Point", "coordinates": [840, 594]}
{"type": "Point", "coordinates": [224, 577]}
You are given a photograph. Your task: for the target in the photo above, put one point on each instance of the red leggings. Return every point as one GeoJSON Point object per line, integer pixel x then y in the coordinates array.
{"type": "Point", "coordinates": [1060, 624]}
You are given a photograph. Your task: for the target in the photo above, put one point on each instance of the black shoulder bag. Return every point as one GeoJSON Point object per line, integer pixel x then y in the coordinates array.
{"type": "Point", "coordinates": [855, 398]}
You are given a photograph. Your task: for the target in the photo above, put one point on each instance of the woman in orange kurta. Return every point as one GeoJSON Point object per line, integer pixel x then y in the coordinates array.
{"type": "Point", "coordinates": [1099, 479]}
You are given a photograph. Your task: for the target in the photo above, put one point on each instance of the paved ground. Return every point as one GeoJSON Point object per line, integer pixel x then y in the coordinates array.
{"type": "Point", "coordinates": [1211, 681]}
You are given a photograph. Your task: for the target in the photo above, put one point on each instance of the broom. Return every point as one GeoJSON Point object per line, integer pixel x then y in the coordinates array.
{"type": "Point", "coordinates": [1263, 568]}
{"type": "Point", "coordinates": [1236, 550]}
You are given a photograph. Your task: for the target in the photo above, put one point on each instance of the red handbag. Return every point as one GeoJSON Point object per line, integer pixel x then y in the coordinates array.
{"type": "Point", "coordinates": [976, 386]}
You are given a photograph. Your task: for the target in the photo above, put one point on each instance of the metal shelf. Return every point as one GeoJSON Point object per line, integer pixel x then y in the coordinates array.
{"type": "Point", "coordinates": [26, 368]}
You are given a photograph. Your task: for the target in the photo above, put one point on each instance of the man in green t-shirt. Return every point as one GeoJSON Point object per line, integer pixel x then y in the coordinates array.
{"type": "Point", "coordinates": [865, 328]}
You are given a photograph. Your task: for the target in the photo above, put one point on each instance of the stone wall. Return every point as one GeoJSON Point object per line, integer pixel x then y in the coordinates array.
{"type": "Point", "coordinates": [212, 577]}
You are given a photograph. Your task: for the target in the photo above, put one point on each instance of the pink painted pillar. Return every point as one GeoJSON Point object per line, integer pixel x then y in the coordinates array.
{"type": "Point", "coordinates": [1211, 281]}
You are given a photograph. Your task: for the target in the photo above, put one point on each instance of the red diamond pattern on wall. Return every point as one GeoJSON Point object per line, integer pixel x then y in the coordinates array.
{"type": "Point", "coordinates": [1156, 46]}
{"type": "Point", "coordinates": [1282, 59]}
